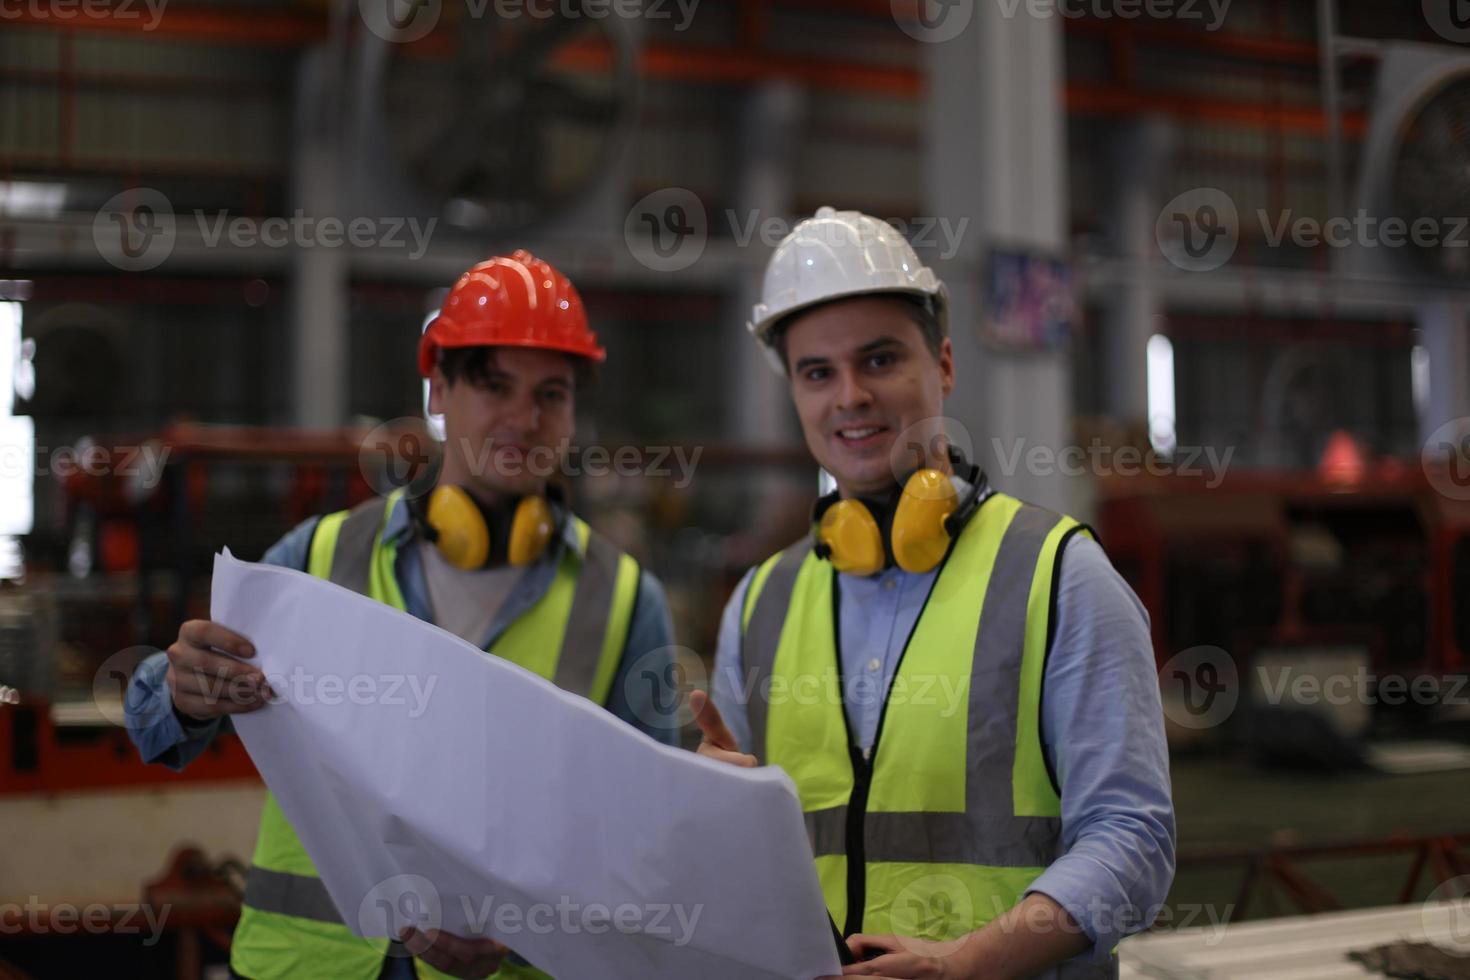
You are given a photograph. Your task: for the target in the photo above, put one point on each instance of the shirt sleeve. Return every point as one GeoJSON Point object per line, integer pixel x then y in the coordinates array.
{"type": "Point", "coordinates": [645, 688]}
{"type": "Point", "coordinates": [1103, 733]}
{"type": "Point", "coordinates": [727, 688]}
{"type": "Point", "coordinates": [161, 734]}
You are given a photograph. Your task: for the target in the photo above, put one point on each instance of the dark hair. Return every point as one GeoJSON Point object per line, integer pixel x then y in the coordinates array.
{"type": "Point", "coordinates": [474, 364]}
{"type": "Point", "coordinates": [919, 308]}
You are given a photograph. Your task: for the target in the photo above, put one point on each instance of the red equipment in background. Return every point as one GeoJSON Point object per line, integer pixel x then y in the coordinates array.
{"type": "Point", "coordinates": [1374, 557]}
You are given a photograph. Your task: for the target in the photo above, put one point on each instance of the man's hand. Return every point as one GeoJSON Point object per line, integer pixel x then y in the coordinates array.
{"type": "Point", "coordinates": [1031, 936]}
{"type": "Point", "coordinates": [471, 959]}
{"type": "Point", "coordinates": [902, 957]}
{"type": "Point", "coordinates": [205, 683]}
{"type": "Point", "coordinates": [717, 742]}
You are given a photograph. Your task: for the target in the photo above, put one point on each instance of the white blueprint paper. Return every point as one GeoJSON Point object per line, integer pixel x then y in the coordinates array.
{"type": "Point", "coordinates": [437, 786]}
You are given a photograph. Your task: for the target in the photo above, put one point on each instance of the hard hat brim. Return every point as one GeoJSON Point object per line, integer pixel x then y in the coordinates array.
{"type": "Point", "coordinates": [765, 318]}
{"type": "Point", "coordinates": [428, 350]}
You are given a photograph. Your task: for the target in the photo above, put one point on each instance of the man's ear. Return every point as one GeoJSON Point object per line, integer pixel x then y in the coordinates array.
{"type": "Point", "coordinates": [437, 386]}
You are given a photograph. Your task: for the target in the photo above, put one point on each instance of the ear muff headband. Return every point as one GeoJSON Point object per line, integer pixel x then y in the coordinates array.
{"type": "Point", "coordinates": [471, 537]}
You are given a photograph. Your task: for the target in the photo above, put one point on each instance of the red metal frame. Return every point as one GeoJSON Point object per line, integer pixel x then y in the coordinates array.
{"type": "Point", "coordinates": [1445, 856]}
{"type": "Point", "coordinates": [34, 758]}
{"type": "Point", "coordinates": [1132, 524]}
{"type": "Point", "coordinates": [751, 60]}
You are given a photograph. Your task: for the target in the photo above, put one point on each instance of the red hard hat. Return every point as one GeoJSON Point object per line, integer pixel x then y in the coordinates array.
{"type": "Point", "coordinates": [511, 301]}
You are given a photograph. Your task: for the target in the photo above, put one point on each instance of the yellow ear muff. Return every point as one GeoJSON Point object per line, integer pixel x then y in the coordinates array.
{"type": "Point", "coordinates": [530, 530]}
{"type": "Point", "coordinates": [463, 537]}
{"type": "Point", "coordinates": [919, 537]}
{"type": "Point", "coordinates": [848, 529]}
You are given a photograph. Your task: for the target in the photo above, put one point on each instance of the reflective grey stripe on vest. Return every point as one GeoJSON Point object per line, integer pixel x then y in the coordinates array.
{"type": "Point", "coordinates": [353, 556]}
{"type": "Point", "coordinates": [763, 637]}
{"type": "Point", "coordinates": [284, 893]}
{"type": "Point", "coordinates": [827, 830]}
{"type": "Point", "coordinates": [581, 646]}
{"type": "Point", "coordinates": [988, 833]}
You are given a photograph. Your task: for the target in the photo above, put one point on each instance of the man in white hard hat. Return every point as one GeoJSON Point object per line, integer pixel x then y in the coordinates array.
{"type": "Point", "coordinates": [1017, 821]}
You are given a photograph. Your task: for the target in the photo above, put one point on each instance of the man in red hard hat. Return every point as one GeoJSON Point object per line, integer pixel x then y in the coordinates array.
{"type": "Point", "coordinates": [490, 553]}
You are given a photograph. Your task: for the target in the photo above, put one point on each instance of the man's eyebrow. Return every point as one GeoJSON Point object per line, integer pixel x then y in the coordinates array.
{"type": "Point", "coordinates": [556, 381]}
{"type": "Point", "coordinates": [879, 344]}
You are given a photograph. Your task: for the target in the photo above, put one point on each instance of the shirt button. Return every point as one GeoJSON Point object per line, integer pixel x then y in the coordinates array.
{"type": "Point", "coordinates": [874, 664]}
{"type": "Point", "coordinates": [889, 584]}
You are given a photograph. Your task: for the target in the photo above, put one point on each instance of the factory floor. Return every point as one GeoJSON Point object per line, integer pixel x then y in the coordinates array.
{"type": "Point", "coordinates": [1230, 803]}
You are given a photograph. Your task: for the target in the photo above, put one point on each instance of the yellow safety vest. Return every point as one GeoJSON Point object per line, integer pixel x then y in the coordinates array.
{"type": "Point", "coordinates": [943, 828]}
{"type": "Point", "coordinates": [574, 636]}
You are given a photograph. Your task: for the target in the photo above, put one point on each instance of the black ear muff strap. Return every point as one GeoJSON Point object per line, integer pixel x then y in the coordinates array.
{"type": "Point", "coordinates": [970, 502]}
{"type": "Point", "coordinates": [418, 516]}
{"type": "Point", "coordinates": [819, 507]}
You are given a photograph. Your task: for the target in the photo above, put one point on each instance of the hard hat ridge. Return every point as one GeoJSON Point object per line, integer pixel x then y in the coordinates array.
{"type": "Point", "coordinates": [836, 254]}
{"type": "Point", "coordinates": [514, 300]}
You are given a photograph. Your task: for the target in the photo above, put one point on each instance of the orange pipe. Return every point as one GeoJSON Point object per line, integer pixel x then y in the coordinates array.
{"type": "Point", "coordinates": [1249, 46]}
{"type": "Point", "coordinates": [224, 26]}
{"type": "Point", "coordinates": [728, 65]}
{"type": "Point", "coordinates": [1117, 102]}
{"type": "Point", "coordinates": [723, 65]}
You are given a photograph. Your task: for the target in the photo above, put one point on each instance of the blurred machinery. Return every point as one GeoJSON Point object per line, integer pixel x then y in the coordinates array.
{"type": "Point", "coordinates": [134, 562]}
{"type": "Point", "coordinates": [497, 124]}
{"type": "Point", "coordinates": [1361, 564]}
{"type": "Point", "coordinates": [1416, 161]}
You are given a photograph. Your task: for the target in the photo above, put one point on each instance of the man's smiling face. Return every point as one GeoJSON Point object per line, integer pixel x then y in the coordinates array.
{"type": "Point", "coordinates": [861, 375]}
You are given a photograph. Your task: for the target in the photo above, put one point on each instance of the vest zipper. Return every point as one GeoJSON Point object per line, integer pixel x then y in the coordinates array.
{"type": "Point", "coordinates": [857, 808]}
{"type": "Point", "coordinates": [862, 760]}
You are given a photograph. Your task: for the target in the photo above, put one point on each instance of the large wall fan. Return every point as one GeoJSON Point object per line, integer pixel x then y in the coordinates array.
{"type": "Point", "coordinates": [1416, 164]}
{"type": "Point", "coordinates": [492, 123]}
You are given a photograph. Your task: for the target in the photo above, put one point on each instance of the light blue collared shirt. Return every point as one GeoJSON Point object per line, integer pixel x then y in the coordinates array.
{"type": "Point", "coordinates": [1102, 727]}
{"type": "Point", "coordinates": [648, 652]}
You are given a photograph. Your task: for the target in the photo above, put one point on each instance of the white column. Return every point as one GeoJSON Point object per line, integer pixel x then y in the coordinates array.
{"type": "Point", "coordinates": [770, 127]}
{"type": "Point", "coordinates": [996, 155]}
{"type": "Point", "coordinates": [1129, 318]}
{"type": "Point", "coordinates": [1444, 331]}
{"type": "Point", "coordinates": [318, 276]}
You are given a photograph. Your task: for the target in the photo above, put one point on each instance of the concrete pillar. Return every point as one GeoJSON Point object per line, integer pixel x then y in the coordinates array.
{"type": "Point", "coordinates": [1131, 311]}
{"type": "Point", "coordinates": [1444, 333]}
{"type": "Point", "coordinates": [770, 128]}
{"type": "Point", "coordinates": [318, 276]}
{"type": "Point", "coordinates": [996, 156]}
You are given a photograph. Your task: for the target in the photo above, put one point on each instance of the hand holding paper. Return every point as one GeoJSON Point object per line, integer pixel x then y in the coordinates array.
{"type": "Point", "coordinates": [438, 787]}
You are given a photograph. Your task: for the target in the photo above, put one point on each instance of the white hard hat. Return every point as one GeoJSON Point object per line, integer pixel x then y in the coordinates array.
{"type": "Point", "coordinates": [842, 253]}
